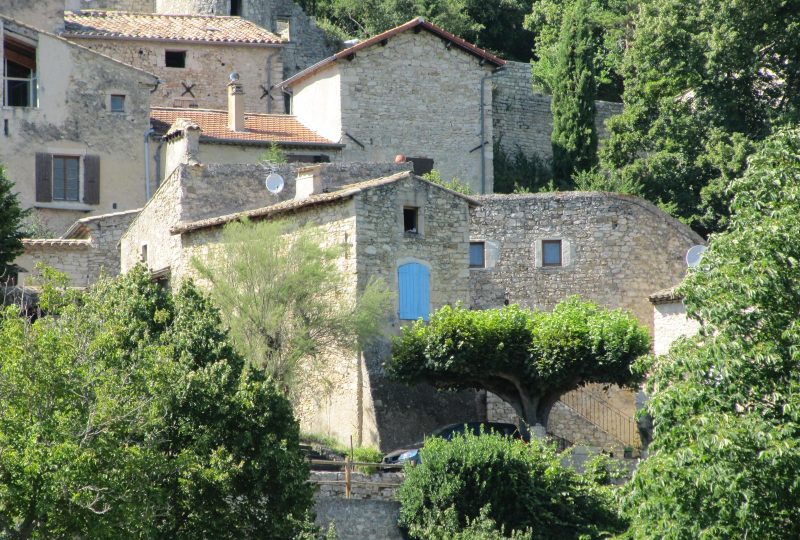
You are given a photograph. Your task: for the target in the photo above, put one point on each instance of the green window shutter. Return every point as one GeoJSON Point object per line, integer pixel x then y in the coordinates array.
{"type": "Point", "coordinates": [44, 177]}
{"type": "Point", "coordinates": [91, 179]}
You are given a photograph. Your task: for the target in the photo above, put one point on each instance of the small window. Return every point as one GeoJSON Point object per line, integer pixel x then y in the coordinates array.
{"type": "Point", "coordinates": [19, 74]}
{"type": "Point", "coordinates": [143, 254]}
{"type": "Point", "coordinates": [551, 252]}
{"type": "Point", "coordinates": [477, 255]}
{"type": "Point", "coordinates": [236, 8]}
{"type": "Point", "coordinates": [117, 103]}
{"type": "Point", "coordinates": [411, 220]}
{"type": "Point", "coordinates": [66, 178]}
{"type": "Point", "coordinates": [283, 27]}
{"type": "Point", "coordinates": [175, 59]}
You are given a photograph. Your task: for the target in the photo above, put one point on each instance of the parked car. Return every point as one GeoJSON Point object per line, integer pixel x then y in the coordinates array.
{"type": "Point", "coordinates": [410, 453]}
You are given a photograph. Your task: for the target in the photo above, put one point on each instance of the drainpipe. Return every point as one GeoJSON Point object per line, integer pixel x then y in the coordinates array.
{"type": "Point", "coordinates": [147, 163]}
{"type": "Point", "coordinates": [483, 128]}
{"type": "Point", "coordinates": [157, 159]}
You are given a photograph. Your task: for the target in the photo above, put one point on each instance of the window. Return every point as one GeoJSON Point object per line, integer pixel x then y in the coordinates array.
{"type": "Point", "coordinates": [411, 220]}
{"type": "Point", "coordinates": [477, 255]}
{"type": "Point", "coordinates": [413, 281]}
{"type": "Point", "coordinates": [143, 254]}
{"type": "Point", "coordinates": [117, 103]}
{"type": "Point", "coordinates": [175, 59]}
{"type": "Point", "coordinates": [236, 8]}
{"type": "Point", "coordinates": [283, 27]}
{"type": "Point", "coordinates": [551, 252]}
{"type": "Point", "coordinates": [19, 74]}
{"type": "Point", "coordinates": [65, 178]}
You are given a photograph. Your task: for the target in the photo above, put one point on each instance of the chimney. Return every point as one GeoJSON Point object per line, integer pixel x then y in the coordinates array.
{"type": "Point", "coordinates": [235, 105]}
{"type": "Point", "coordinates": [308, 182]}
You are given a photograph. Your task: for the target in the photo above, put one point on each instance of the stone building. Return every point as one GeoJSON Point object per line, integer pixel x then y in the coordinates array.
{"type": "Point", "coordinates": [192, 55]}
{"type": "Point", "coordinates": [670, 320]}
{"type": "Point", "coordinates": [415, 90]}
{"type": "Point", "coordinates": [73, 124]}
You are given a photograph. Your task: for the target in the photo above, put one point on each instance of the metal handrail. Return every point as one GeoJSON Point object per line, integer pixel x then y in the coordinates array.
{"type": "Point", "coordinates": [603, 415]}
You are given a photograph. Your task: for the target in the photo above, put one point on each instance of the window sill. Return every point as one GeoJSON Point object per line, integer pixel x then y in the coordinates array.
{"type": "Point", "coordinates": [72, 206]}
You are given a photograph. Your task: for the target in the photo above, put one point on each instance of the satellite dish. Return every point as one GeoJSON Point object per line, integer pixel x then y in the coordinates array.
{"type": "Point", "coordinates": [234, 77]}
{"type": "Point", "coordinates": [274, 183]}
{"type": "Point", "coordinates": [694, 254]}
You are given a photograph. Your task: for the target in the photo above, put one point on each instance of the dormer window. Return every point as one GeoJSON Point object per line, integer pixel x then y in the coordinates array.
{"type": "Point", "coordinates": [19, 74]}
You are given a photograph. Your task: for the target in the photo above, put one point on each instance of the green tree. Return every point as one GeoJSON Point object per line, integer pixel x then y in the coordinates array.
{"type": "Point", "coordinates": [476, 486]}
{"type": "Point", "coordinates": [125, 412]}
{"type": "Point", "coordinates": [286, 301]}
{"type": "Point", "coordinates": [703, 81]}
{"type": "Point", "coordinates": [11, 216]}
{"type": "Point", "coordinates": [725, 460]}
{"type": "Point", "coordinates": [529, 358]}
{"type": "Point", "coordinates": [574, 137]}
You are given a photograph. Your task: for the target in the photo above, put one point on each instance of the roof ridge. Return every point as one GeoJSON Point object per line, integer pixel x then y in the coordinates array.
{"type": "Point", "coordinates": [223, 111]}
{"type": "Point", "coordinates": [94, 12]}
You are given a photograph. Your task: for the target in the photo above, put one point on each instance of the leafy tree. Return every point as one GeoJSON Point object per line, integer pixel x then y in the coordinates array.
{"type": "Point", "coordinates": [574, 136]}
{"type": "Point", "coordinates": [125, 412]}
{"type": "Point", "coordinates": [725, 460]}
{"type": "Point", "coordinates": [285, 299]}
{"type": "Point", "coordinates": [455, 184]}
{"type": "Point", "coordinates": [529, 358]}
{"type": "Point", "coordinates": [611, 27]}
{"type": "Point", "coordinates": [520, 171]}
{"type": "Point", "coordinates": [476, 486]}
{"type": "Point", "coordinates": [11, 216]}
{"type": "Point", "coordinates": [703, 81]}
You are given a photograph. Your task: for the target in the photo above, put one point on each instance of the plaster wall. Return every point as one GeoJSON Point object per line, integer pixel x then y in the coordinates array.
{"type": "Point", "coordinates": [317, 103]}
{"type": "Point", "coordinates": [670, 322]}
{"type": "Point", "coordinates": [47, 15]}
{"type": "Point", "coordinates": [206, 72]}
{"type": "Point", "coordinates": [73, 118]}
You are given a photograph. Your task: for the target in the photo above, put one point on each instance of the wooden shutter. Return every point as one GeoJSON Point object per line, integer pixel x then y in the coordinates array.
{"type": "Point", "coordinates": [44, 177]}
{"type": "Point", "coordinates": [413, 281]}
{"type": "Point", "coordinates": [91, 179]}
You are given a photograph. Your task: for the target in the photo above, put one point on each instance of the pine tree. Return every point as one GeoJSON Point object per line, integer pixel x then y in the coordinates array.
{"type": "Point", "coordinates": [11, 216]}
{"type": "Point", "coordinates": [574, 136]}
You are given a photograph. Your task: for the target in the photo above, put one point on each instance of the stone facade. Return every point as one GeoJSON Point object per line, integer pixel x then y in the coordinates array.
{"type": "Point", "coordinates": [522, 118]}
{"type": "Point", "coordinates": [89, 250]}
{"type": "Point", "coordinates": [359, 519]}
{"type": "Point", "coordinates": [136, 6]}
{"type": "Point", "coordinates": [380, 486]}
{"type": "Point", "coordinates": [669, 323]}
{"type": "Point", "coordinates": [616, 250]}
{"type": "Point", "coordinates": [72, 118]}
{"type": "Point", "coordinates": [206, 73]}
{"type": "Point", "coordinates": [47, 15]}
{"type": "Point", "coordinates": [411, 96]}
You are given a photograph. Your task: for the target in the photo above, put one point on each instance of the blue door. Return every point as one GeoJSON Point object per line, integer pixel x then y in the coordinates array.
{"type": "Point", "coordinates": [414, 282]}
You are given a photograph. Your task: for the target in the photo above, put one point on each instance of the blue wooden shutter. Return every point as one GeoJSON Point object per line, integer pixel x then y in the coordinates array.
{"type": "Point", "coordinates": [413, 280]}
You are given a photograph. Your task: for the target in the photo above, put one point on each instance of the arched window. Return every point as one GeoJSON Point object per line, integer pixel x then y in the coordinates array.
{"type": "Point", "coordinates": [414, 283]}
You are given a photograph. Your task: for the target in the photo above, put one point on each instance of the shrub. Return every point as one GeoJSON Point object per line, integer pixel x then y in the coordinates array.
{"type": "Point", "coordinates": [367, 455]}
{"type": "Point", "coordinates": [518, 486]}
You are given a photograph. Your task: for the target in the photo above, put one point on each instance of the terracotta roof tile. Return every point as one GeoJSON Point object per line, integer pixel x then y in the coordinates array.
{"type": "Point", "coordinates": [282, 129]}
{"type": "Point", "coordinates": [149, 26]}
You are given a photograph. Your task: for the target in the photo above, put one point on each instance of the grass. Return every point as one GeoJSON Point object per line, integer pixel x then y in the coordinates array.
{"type": "Point", "coordinates": [365, 454]}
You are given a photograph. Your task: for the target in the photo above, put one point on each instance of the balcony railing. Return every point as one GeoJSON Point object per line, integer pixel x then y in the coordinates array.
{"type": "Point", "coordinates": [605, 416]}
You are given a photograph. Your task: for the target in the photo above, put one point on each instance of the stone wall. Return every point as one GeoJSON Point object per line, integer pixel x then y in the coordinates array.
{"type": "Point", "coordinates": [412, 96]}
{"type": "Point", "coordinates": [616, 250]}
{"type": "Point", "coordinates": [206, 73]}
{"type": "Point", "coordinates": [73, 118]}
{"type": "Point", "coordinates": [70, 257]}
{"type": "Point", "coordinates": [46, 15]}
{"type": "Point", "coordinates": [136, 6]}
{"type": "Point", "coordinates": [671, 322]}
{"type": "Point", "coordinates": [522, 118]}
{"type": "Point", "coordinates": [381, 486]}
{"type": "Point", "coordinates": [359, 519]}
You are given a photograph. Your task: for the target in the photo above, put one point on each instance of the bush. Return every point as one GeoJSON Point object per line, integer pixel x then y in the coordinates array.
{"type": "Point", "coordinates": [518, 486]}
{"type": "Point", "coordinates": [367, 455]}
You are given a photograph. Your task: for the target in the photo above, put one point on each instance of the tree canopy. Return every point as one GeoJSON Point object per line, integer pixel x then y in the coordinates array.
{"type": "Point", "coordinates": [11, 216]}
{"type": "Point", "coordinates": [725, 460]}
{"type": "Point", "coordinates": [529, 358]}
{"type": "Point", "coordinates": [125, 412]}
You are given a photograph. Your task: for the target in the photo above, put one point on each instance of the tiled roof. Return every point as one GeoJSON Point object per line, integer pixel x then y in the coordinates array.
{"type": "Point", "coordinates": [158, 27]}
{"type": "Point", "coordinates": [291, 205]}
{"type": "Point", "coordinates": [56, 242]}
{"type": "Point", "coordinates": [282, 129]}
{"type": "Point", "coordinates": [415, 24]}
{"type": "Point", "coordinates": [665, 296]}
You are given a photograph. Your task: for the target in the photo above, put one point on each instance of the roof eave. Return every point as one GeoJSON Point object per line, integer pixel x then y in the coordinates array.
{"type": "Point", "coordinates": [244, 142]}
{"type": "Point", "coordinates": [71, 35]}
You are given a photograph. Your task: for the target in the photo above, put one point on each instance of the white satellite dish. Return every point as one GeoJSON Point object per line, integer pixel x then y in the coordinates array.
{"type": "Point", "coordinates": [274, 183]}
{"type": "Point", "coordinates": [694, 254]}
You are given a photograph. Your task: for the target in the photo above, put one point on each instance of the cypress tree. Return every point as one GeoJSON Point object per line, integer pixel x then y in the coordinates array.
{"type": "Point", "coordinates": [574, 136]}
{"type": "Point", "coordinates": [11, 216]}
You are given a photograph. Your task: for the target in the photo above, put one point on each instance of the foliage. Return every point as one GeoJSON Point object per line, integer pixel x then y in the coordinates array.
{"type": "Point", "coordinates": [11, 217]}
{"type": "Point", "coordinates": [595, 180]}
{"type": "Point", "coordinates": [574, 136]}
{"type": "Point", "coordinates": [704, 80]}
{"type": "Point", "coordinates": [611, 29]}
{"type": "Point", "coordinates": [520, 172]}
{"type": "Point", "coordinates": [273, 154]}
{"type": "Point", "coordinates": [125, 412]}
{"type": "Point", "coordinates": [725, 459]}
{"type": "Point", "coordinates": [529, 358]}
{"type": "Point", "coordinates": [286, 301]}
{"type": "Point", "coordinates": [367, 455]}
{"type": "Point", "coordinates": [454, 185]}
{"type": "Point", "coordinates": [489, 478]}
